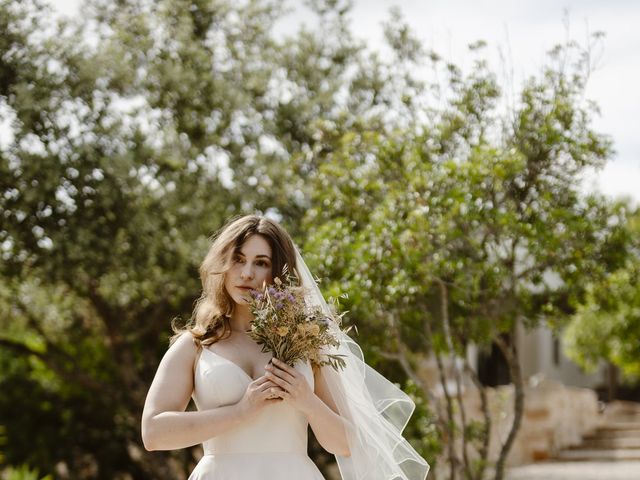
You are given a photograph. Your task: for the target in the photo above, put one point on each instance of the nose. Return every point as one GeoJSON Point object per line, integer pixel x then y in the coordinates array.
{"type": "Point", "coordinates": [247, 272]}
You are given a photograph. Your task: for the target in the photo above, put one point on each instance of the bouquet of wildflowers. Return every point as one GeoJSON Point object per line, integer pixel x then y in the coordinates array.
{"type": "Point", "coordinates": [289, 328]}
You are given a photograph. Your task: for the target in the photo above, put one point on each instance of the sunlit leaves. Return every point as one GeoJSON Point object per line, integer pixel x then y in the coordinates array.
{"type": "Point", "coordinates": [606, 325]}
{"type": "Point", "coordinates": [500, 218]}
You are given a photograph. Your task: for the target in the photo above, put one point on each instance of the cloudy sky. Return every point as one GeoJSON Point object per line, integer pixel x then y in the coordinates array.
{"type": "Point", "coordinates": [525, 30]}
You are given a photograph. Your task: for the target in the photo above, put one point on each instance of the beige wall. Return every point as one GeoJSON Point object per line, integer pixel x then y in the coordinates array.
{"type": "Point", "coordinates": [536, 357]}
{"type": "Point", "coordinates": [555, 417]}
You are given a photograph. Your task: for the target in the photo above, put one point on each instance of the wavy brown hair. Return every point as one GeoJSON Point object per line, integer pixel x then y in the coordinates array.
{"type": "Point", "coordinates": [209, 322]}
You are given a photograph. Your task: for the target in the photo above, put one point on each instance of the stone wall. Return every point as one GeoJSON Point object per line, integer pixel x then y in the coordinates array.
{"type": "Point", "coordinates": [555, 416]}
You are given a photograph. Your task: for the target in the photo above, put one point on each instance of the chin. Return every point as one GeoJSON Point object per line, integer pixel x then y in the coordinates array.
{"type": "Point", "coordinates": [240, 300]}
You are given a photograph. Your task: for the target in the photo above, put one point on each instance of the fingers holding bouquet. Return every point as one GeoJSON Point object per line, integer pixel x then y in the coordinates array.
{"type": "Point", "coordinates": [266, 389]}
{"type": "Point", "coordinates": [259, 393]}
{"type": "Point", "coordinates": [295, 387]}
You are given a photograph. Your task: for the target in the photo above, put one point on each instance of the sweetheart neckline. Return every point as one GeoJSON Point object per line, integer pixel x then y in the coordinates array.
{"type": "Point", "coordinates": [232, 363]}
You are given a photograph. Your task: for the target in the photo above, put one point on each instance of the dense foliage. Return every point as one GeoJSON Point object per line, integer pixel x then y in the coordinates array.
{"type": "Point", "coordinates": [134, 132]}
{"type": "Point", "coordinates": [606, 325]}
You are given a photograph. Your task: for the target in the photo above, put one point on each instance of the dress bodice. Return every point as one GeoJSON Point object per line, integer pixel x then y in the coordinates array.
{"type": "Point", "coordinates": [278, 428]}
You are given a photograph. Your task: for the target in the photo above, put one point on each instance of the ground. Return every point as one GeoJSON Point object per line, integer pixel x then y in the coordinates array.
{"type": "Point", "coordinates": [629, 470]}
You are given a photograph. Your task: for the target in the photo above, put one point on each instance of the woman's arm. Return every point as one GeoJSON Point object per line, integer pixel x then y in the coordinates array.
{"type": "Point", "coordinates": [166, 425]}
{"type": "Point", "coordinates": [327, 425]}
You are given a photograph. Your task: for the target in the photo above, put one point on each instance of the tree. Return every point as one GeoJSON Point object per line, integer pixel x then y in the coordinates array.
{"type": "Point", "coordinates": [455, 234]}
{"type": "Point", "coordinates": [134, 133]}
{"type": "Point", "coordinates": [606, 324]}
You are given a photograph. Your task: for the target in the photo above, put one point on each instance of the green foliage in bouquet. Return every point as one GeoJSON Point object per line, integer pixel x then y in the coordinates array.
{"type": "Point", "coordinates": [286, 325]}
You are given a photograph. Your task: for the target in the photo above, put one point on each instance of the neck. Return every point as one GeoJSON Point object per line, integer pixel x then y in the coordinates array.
{"type": "Point", "coordinates": [241, 318]}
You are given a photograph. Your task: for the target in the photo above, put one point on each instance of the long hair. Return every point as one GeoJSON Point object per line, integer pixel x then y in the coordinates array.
{"type": "Point", "coordinates": [209, 322]}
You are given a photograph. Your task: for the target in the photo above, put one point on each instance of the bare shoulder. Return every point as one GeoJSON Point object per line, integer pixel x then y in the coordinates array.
{"type": "Point", "coordinates": [182, 350]}
{"type": "Point", "coordinates": [185, 342]}
{"type": "Point", "coordinates": [173, 383]}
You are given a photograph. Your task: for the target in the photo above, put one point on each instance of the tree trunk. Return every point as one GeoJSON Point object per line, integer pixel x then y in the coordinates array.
{"type": "Point", "coordinates": [511, 355]}
{"type": "Point", "coordinates": [612, 382]}
{"type": "Point", "coordinates": [446, 328]}
{"type": "Point", "coordinates": [463, 426]}
{"type": "Point", "coordinates": [483, 451]}
{"type": "Point", "coordinates": [451, 423]}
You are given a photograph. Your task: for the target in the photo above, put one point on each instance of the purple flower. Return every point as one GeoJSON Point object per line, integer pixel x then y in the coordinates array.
{"type": "Point", "coordinates": [290, 297]}
{"type": "Point", "coordinates": [279, 305]}
{"type": "Point", "coordinates": [256, 294]}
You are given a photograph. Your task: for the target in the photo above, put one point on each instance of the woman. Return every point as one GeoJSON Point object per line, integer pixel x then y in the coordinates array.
{"type": "Point", "coordinates": [252, 415]}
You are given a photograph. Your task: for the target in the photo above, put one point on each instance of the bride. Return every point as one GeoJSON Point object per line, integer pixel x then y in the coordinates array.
{"type": "Point", "coordinates": [252, 415]}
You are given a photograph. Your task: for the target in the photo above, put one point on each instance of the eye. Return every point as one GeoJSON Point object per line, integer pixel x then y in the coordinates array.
{"type": "Point", "coordinates": [262, 263]}
{"type": "Point", "coordinates": [238, 259]}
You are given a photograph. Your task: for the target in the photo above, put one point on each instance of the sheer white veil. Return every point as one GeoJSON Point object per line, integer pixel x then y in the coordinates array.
{"type": "Point", "coordinates": [374, 409]}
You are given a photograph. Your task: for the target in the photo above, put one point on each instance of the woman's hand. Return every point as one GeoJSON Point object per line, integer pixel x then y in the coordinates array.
{"type": "Point", "coordinates": [259, 393]}
{"type": "Point", "coordinates": [293, 385]}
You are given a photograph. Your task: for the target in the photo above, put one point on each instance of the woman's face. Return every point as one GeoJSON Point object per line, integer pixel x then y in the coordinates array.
{"type": "Point", "coordinates": [251, 268]}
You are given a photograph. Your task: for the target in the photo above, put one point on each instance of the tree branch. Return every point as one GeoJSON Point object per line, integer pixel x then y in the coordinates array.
{"type": "Point", "coordinates": [484, 448]}
{"type": "Point", "coordinates": [73, 376]}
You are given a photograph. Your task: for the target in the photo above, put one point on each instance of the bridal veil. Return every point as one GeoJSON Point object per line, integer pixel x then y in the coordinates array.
{"type": "Point", "coordinates": [374, 409]}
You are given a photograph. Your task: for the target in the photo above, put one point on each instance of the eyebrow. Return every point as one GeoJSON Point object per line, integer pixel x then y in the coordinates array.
{"type": "Point", "coordinates": [257, 256]}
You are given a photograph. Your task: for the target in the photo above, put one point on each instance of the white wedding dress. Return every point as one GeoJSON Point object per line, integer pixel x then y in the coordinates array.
{"type": "Point", "coordinates": [271, 446]}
